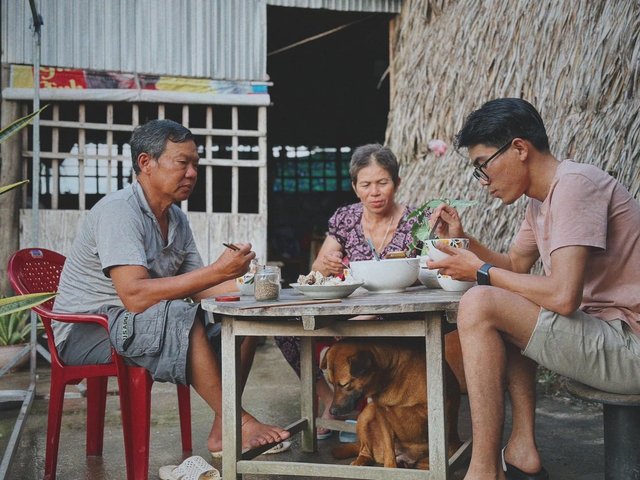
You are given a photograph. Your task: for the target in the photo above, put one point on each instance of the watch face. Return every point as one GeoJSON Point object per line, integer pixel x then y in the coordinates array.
{"type": "Point", "coordinates": [483, 274]}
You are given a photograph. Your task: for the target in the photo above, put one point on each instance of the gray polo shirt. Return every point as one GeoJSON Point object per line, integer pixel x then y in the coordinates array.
{"type": "Point", "coordinates": [121, 229]}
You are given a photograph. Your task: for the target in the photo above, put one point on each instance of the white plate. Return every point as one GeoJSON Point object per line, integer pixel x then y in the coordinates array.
{"type": "Point", "coordinates": [326, 292]}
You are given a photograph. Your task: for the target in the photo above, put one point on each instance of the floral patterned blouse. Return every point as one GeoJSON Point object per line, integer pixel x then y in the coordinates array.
{"type": "Point", "coordinates": [345, 226]}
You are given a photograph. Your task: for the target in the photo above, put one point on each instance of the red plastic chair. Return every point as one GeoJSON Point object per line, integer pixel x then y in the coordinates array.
{"type": "Point", "coordinates": [38, 270]}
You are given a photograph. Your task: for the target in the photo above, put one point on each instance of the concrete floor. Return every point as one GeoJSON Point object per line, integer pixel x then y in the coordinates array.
{"type": "Point", "coordinates": [569, 433]}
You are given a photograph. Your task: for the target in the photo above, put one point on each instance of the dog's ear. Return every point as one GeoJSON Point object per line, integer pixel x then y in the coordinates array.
{"type": "Point", "coordinates": [323, 364]}
{"type": "Point", "coordinates": [360, 363]}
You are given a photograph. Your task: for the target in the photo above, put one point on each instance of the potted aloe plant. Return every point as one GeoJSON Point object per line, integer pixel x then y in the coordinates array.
{"type": "Point", "coordinates": [15, 327]}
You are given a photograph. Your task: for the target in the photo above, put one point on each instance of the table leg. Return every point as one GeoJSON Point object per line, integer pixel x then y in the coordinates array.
{"type": "Point", "coordinates": [308, 400]}
{"type": "Point", "coordinates": [231, 401]}
{"type": "Point", "coordinates": [438, 461]}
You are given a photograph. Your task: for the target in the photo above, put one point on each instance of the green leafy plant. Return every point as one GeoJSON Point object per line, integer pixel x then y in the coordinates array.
{"type": "Point", "coordinates": [15, 324]}
{"type": "Point", "coordinates": [421, 230]}
{"type": "Point", "coordinates": [15, 327]}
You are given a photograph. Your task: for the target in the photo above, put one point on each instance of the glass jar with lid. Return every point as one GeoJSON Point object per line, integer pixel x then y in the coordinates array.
{"type": "Point", "coordinates": [267, 283]}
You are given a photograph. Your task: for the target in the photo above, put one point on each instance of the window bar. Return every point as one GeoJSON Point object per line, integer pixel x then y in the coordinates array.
{"type": "Point", "coordinates": [55, 163]}
{"type": "Point", "coordinates": [262, 157]}
{"type": "Point", "coordinates": [234, 157]}
{"type": "Point", "coordinates": [25, 165]}
{"type": "Point", "coordinates": [208, 156]}
{"type": "Point", "coordinates": [185, 121]}
{"type": "Point", "coordinates": [161, 112]}
{"type": "Point", "coordinates": [135, 115]}
{"type": "Point", "coordinates": [109, 148]}
{"type": "Point", "coordinates": [82, 204]}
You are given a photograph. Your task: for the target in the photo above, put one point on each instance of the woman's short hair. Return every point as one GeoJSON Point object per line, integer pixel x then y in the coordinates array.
{"type": "Point", "coordinates": [152, 138]}
{"type": "Point", "coordinates": [501, 120]}
{"type": "Point", "coordinates": [374, 153]}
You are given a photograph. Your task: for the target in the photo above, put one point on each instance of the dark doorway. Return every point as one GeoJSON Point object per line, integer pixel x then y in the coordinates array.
{"type": "Point", "coordinates": [329, 96]}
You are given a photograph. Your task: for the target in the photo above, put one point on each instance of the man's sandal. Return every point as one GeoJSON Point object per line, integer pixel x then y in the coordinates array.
{"type": "Point", "coordinates": [514, 473]}
{"type": "Point", "coordinates": [279, 448]}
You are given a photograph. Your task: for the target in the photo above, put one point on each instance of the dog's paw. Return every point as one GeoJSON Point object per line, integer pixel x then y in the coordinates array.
{"type": "Point", "coordinates": [362, 461]}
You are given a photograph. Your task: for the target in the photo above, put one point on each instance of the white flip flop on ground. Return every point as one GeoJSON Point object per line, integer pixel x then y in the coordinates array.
{"type": "Point", "coordinates": [193, 468]}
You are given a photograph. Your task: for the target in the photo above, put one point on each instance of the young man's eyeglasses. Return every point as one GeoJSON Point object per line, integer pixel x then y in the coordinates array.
{"type": "Point", "coordinates": [478, 171]}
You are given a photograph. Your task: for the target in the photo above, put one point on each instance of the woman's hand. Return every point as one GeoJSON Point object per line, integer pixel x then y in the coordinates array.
{"type": "Point", "coordinates": [329, 259]}
{"type": "Point", "coordinates": [332, 262]}
{"type": "Point", "coordinates": [450, 225]}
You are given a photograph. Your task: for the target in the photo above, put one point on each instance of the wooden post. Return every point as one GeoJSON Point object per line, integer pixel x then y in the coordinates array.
{"type": "Point", "coordinates": [231, 400]}
{"type": "Point", "coordinates": [436, 394]}
{"type": "Point", "coordinates": [11, 172]}
{"type": "Point", "coordinates": [308, 392]}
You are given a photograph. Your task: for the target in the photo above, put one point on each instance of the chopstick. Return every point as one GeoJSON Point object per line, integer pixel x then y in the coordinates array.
{"type": "Point", "coordinates": [231, 246]}
{"type": "Point", "coordinates": [290, 304]}
{"type": "Point", "coordinates": [373, 250]}
{"type": "Point", "coordinates": [432, 234]}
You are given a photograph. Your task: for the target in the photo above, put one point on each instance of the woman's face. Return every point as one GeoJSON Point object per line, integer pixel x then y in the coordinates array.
{"type": "Point", "coordinates": [375, 188]}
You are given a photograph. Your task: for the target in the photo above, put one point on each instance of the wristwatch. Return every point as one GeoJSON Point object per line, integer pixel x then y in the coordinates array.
{"type": "Point", "coordinates": [483, 274]}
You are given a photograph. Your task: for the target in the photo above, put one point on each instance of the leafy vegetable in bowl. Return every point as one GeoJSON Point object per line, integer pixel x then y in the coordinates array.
{"type": "Point", "coordinates": [420, 230]}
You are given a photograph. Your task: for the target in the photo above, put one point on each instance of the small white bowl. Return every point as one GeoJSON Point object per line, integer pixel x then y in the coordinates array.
{"type": "Point", "coordinates": [390, 275]}
{"type": "Point", "coordinates": [450, 285]}
{"type": "Point", "coordinates": [437, 255]}
{"type": "Point", "coordinates": [245, 284]}
{"type": "Point", "coordinates": [429, 278]}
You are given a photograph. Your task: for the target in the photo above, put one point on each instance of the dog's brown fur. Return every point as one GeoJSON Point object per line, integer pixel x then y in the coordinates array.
{"type": "Point", "coordinates": [393, 428]}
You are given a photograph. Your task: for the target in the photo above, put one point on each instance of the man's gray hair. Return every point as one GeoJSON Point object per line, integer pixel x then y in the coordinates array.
{"type": "Point", "coordinates": [152, 138]}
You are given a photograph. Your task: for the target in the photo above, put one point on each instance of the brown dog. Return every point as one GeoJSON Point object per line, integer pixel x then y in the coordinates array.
{"type": "Point", "coordinates": [393, 428]}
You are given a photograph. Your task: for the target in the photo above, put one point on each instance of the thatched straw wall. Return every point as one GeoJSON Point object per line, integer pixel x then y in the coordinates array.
{"type": "Point", "coordinates": [577, 61]}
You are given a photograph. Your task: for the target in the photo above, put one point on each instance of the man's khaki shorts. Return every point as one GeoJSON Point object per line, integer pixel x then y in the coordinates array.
{"type": "Point", "coordinates": [604, 355]}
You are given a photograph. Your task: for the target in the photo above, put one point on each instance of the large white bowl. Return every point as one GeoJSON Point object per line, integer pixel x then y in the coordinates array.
{"type": "Point", "coordinates": [390, 275]}
{"type": "Point", "coordinates": [450, 285]}
{"type": "Point", "coordinates": [429, 278]}
{"type": "Point", "coordinates": [437, 255]}
{"type": "Point", "coordinates": [322, 292]}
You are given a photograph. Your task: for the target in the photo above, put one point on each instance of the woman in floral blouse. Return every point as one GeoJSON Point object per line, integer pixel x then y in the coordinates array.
{"type": "Point", "coordinates": [374, 177]}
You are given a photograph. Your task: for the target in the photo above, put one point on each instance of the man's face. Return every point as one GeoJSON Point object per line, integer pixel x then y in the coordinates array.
{"type": "Point", "coordinates": [504, 171]}
{"type": "Point", "coordinates": [174, 174]}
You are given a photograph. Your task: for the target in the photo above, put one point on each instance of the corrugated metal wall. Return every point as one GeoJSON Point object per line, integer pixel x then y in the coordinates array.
{"type": "Point", "coordinates": [221, 39]}
{"type": "Point", "coordinates": [389, 6]}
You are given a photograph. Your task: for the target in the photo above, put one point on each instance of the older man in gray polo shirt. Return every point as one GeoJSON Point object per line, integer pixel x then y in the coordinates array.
{"type": "Point", "coordinates": [135, 260]}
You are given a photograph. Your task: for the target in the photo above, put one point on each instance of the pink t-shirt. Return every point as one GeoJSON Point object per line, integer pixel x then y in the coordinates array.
{"type": "Point", "coordinates": [587, 207]}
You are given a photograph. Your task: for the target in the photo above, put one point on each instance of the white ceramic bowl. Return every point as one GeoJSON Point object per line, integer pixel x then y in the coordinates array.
{"type": "Point", "coordinates": [390, 275]}
{"type": "Point", "coordinates": [245, 284]}
{"type": "Point", "coordinates": [429, 278]}
{"type": "Point", "coordinates": [450, 285]}
{"type": "Point", "coordinates": [437, 255]}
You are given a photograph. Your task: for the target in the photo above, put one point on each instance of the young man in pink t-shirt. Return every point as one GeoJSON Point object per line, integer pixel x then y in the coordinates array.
{"type": "Point", "coordinates": [581, 319]}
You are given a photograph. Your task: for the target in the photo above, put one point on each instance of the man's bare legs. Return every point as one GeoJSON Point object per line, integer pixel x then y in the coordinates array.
{"type": "Point", "coordinates": [494, 326]}
{"type": "Point", "coordinates": [203, 373]}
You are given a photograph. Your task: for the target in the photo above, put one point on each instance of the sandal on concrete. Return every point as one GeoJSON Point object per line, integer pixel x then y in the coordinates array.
{"type": "Point", "coordinates": [279, 448]}
{"type": "Point", "coordinates": [324, 436]}
{"type": "Point", "coordinates": [193, 468]}
{"type": "Point", "coordinates": [514, 473]}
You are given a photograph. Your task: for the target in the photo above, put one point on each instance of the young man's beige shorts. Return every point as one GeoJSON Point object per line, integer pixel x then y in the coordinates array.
{"type": "Point", "coordinates": [604, 355]}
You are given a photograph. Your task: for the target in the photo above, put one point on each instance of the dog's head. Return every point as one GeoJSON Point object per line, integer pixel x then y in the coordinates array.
{"type": "Point", "coordinates": [351, 368]}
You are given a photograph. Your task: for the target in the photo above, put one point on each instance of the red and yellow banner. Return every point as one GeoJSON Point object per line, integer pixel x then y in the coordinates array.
{"type": "Point", "coordinates": [52, 77]}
